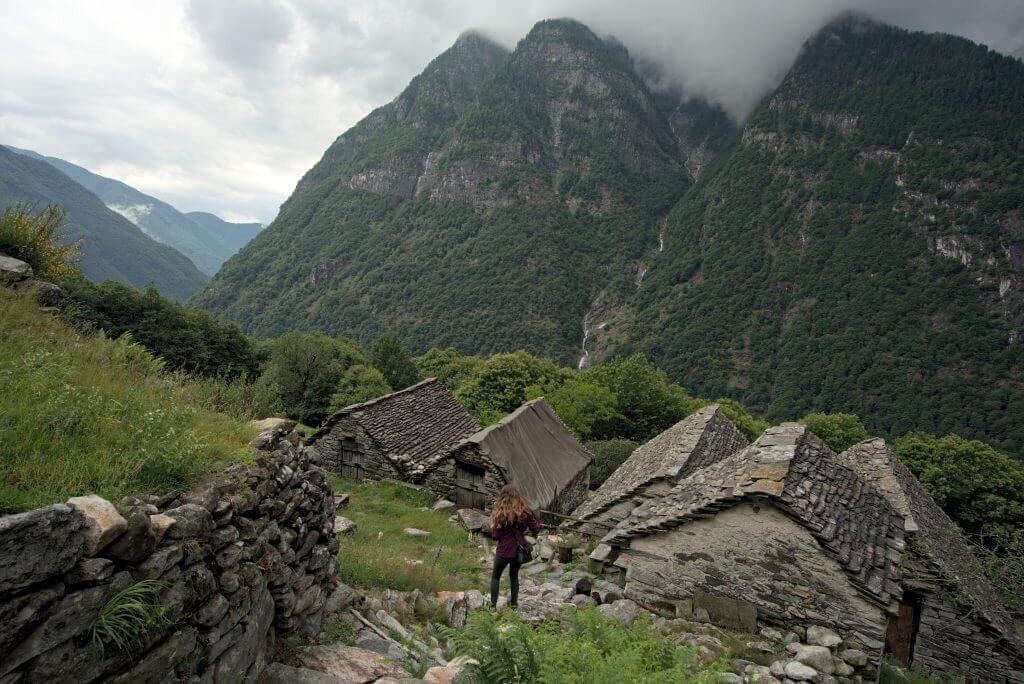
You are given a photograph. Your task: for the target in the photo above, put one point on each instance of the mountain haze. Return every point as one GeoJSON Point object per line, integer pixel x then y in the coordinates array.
{"type": "Point", "coordinates": [204, 238]}
{"type": "Point", "coordinates": [112, 247]}
{"type": "Point", "coordinates": [857, 245]}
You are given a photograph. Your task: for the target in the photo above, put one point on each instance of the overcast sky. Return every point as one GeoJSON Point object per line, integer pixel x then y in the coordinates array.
{"type": "Point", "coordinates": [221, 105]}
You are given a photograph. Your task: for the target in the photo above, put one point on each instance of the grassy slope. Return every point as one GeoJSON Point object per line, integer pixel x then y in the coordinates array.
{"type": "Point", "coordinates": [388, 508]}
{"type": "Point", "coordinates": [83, 414]}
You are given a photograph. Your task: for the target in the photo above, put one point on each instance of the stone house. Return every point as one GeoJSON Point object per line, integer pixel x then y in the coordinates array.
{"type": "Point", "coordinates": [700, 439]}
{"type": "Point", "coordinates": [788, 533]}
{"type": "Point", "coordinates": [531, 448]}
{"type": "Point", "coordinates": [400, 436]}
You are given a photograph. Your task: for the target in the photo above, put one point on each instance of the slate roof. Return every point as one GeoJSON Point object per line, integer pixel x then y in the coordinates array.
{"type": "Point", "coordinates": [694, 442]}
{"type": "Point", "coordinates": [534, 450]}
{"type": "Point", "coordinates": [801, 476]}
{"type": "Point", "coordinates": [932, 534]}
{"type": "Point", "coordinates": [414, 427]}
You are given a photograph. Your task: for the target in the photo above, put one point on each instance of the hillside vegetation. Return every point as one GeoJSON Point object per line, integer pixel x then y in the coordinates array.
{"type": "Point", "coordinates": [82, 413]}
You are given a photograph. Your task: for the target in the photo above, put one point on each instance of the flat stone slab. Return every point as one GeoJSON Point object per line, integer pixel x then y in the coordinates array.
{"type": "Point", "coordinates": [39, 544]}
{"type": "Point", "coordinates": [351, 664]}
{"type": "Point", "coordinates": [279, 673]}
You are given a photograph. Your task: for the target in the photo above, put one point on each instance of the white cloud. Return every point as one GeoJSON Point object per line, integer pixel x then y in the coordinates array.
{"type": "Point", "coordinates": [221, 105]}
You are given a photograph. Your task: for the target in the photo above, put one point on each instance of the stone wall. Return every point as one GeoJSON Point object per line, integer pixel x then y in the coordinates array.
{"type": "Point", "coordinates": [752, 555]}
{"type": "Point", "coordinates": [441, 480]}
{"type": "Point", "coordinates": [376, 464]}
{"type": "Point", "coordinates": [240, 562]}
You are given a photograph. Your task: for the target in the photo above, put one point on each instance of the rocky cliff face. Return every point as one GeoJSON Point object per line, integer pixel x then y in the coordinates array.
{"type": "Point", "coordinates": [859, 249]}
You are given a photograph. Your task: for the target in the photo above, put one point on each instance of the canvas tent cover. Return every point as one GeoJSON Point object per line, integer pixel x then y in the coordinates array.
{"type": "Point", "coordinates": [535, 451]}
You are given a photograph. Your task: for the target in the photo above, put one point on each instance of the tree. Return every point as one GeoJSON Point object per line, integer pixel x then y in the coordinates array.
{"type": "Point", "coordinates": [980, 488]}
{"type": "Point", "coordinates": [499, 384]}
{"type": "Point", "coordinates": [839, 430]}
{"type": "Point", "coordinates": [586, 407]}
{"type": "Point", "coordinates": [646, 400]}
{"type": "Point", "coordinates": [306, 369]}
{"type": "Point", "coordinates": [394, 361]}
{"type": "Point", "coordinates": [358, 384]}
{"type": "Point", "coordinates": [750, 426]}
{"type": "Point", "coordinates": [609, 454]}
{"type": "Point", "coordinates": [447, 365]}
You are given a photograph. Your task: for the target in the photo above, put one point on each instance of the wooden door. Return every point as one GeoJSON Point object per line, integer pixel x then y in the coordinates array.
{"type": "Point", "coordinates": [469, 486]}
{"type": "Point", "coordinates": [901, 631]}
{"type": "Point", "coordinates": [353, 460]}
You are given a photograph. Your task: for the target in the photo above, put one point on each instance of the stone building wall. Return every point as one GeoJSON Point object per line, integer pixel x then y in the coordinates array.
{"type": "Point", "coordinates": [240, 562]}
{"type": "Point", "coordinates": [755, 555]}
{"type": "Point", "coordinates": [574, 493]}
{"type": "Point", "coordinates": [377, 465]}
{"type": "Point", "coordinates": [441, 480]}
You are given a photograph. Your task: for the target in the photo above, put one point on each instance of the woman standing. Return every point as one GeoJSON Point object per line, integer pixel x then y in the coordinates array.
{"type": "Point", "coordinates": [511, 518]}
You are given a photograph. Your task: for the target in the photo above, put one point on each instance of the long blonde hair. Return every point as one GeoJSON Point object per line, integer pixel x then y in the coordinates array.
{"type": "Point", "coordinates": [508, 507]}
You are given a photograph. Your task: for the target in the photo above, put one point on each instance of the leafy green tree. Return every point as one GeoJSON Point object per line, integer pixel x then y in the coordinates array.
{"type": "Point", "coordinates": [609, 454]}
{"type": "Point", "coordinates": [647, 402]}
{"type": "Point", "coordinates": [586, 407]}
{"type": "Point", "coordinates": [750, 426]}
{"type": "Point", "coordinates": [839, 430]}
{"type": "Point", "coordinates": [499, 384]}
{"type": "Point", "coordinates": [980, 488]}
{"type": "Point", "coordinates": [358, 384]}
{"type": "Point", "coordinates": [38, 239]}
{"type": "Point", "coordinates": [306, 369]}
{"type": "Point", "coordinates": [393, 360]}
{"type": "Point", "coordinates": [447, 365]}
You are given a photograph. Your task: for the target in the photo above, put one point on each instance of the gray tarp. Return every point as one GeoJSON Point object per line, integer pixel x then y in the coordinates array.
{"type": "Point", "coordinates": [535, 450]}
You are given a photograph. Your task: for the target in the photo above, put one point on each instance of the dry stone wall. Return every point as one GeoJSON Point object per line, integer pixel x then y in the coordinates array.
{"type": "Point", "coordinates": [376, 465]}
{"type": "Point", "coordinates": [240, 562]}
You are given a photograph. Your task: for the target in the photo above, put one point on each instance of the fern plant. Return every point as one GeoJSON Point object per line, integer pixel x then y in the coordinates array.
{"type": "Point", "coordinates": [503, 648]}
{"type": "Point", "coordinates": [129, 617]}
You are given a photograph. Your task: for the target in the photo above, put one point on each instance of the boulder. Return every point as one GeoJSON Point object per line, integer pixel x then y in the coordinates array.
{"type": "Point", "coordinates": [160, 523]}
{"type": "Point", "coordinates": [13, 270]}
{"type": "Point", "coordinates": [137, 542]}
{"type": "Point", "coordinates": [280, 425]}
{"type": "Point", "coordinates": [442, 505]}
{"type": "Point", "coordinates": [342, 597]}
{"type": "Point", "coordinates": [473, 520]}
{"type": "Point", "coordinates": [47, 294]}
{"type": "Point", "coordinates": [822, 636]}
{"type": "Point", "coordinates": [799, 672]}
{"type": "Point", "coordinates": [341, 501]}
{"type": "Point", "coordinates": [818, 657]}
{"type": "Point", "coordinates": [343, 525]}
{"type": "Point", "coordinates": [39, 544]}
{"type": "Point", "coordinates": [448, 673]}
{"type": "Point", "coordinates": [854, 657]}
{"type": "Point", "coordinates": [352, 664]}
{"type": "Point", "coordinates": [414, 532]}
{"type": "Point", "coordinates": [373, 642]}
{"type": "Point", "coordinates": [623, 610]}
{"type": "Point", "coordinates": [279, 673]}
{"type": "Point", "coordinates": [103, 524]}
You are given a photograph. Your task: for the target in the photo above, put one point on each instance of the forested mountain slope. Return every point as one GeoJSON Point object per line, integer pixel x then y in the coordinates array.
{"type": "Point", "coordinates": [205, 239]}
{"type": "Point", "coordinates": [862, 248]}
{"type": "Point", "coordinates": [485, 208]}
{"type": "Point", "coordinates": [112, 247]}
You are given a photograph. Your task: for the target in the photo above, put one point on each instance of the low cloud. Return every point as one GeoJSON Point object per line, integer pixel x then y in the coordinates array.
{"type": "Point", "coordinates": [221, 105]}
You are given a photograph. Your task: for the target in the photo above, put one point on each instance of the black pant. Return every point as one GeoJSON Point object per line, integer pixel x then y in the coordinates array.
{"type": "Point", "coordinates": [513, 578]}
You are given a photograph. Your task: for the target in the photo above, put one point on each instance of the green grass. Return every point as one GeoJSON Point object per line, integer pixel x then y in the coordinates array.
{"type": "Point", "coordinates": [387, 508]}
{"type": "Point", "coordinates": [129, 617]}
{"type": "Point", "coordinates": [80, 413]}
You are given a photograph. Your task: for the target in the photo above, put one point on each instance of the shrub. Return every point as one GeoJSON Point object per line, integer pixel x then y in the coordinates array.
{"type": "Point", "coordinates": [358, 384]}
{"type": "Point", "coordinates": [750, 426]}
{"type": "Point", "coordinates": [609, 454]}
{"type": "Point", "coordinates": [499, 384]}
{"type": "Point", "coordinates": [129, 617]}
{"type": "Point", "coordinates": [839, 430]}
{"type": "Point", "coordinates": [38, 240]}
{"type": "Point", "coordinates": [589, 648]}
{"type": "Point", "coordinates": [586, 407]}
{"type": "Point", "coordinates": [449, 367]}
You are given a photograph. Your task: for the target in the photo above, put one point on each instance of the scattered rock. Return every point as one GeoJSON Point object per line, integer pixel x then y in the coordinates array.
{"type": "Point", "coordinates": [623, 610]}
{"type": "Point", "coordinates": [342, 597]}
{"type": "Point", "coordinates": [771, 634]}
{"type": "Point", "coordinates": [822, 636]}
{"type": "Point", "coordinates": [343, 525]}
{"type": "Point", "coordinates": [349, 663]}
{"type": "Point", "coordinates": [442, 505]}
{"type": "Point", "coordinates": [374, 642]}
{"type": "Point", "coordinates": [799, 672]}
{"type": "Point", "coordinates": [47, 294]}
{"type": "Point", "coordinates": [414, 532]}
{"type": "Point", "coordinates": [818, 657]}
{"type": "Point", "coordinates": [282, 425]}
{"type": "Point", "coordinates": [473, 520]}
{"type": "Point", "coordinates": [13, 270]}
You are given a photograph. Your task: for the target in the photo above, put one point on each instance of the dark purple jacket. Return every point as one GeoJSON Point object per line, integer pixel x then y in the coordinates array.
{"type": "Point", "coordinates": [511, 537]}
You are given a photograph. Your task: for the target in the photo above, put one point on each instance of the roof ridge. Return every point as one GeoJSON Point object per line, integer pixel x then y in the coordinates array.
{"type": "Point", "coordinates": [346, 410]}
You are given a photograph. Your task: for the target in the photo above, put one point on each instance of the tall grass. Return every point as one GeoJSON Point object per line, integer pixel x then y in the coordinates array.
{"type": "Point", "coordinates": [127, 619]}
{"type": "Point", "coordinates": [83, 413]}
{"type": "Point", "coordinates": [380, 555]}
{"type": "Point", "coordinates": [37, 238]}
